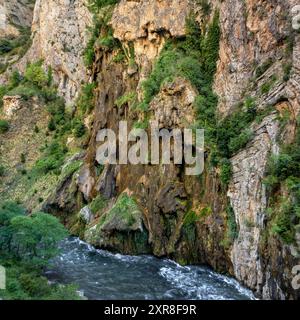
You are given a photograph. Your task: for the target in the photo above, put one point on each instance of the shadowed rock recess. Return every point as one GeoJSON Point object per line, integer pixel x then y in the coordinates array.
{"type": "Point", "coordinates": [229, 67]}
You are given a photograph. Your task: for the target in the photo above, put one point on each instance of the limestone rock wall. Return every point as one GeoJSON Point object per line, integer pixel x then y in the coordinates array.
{"type": "Point", "coordinates": [60, 34]}
{"type": "Point", "coordinates": [14, 13]}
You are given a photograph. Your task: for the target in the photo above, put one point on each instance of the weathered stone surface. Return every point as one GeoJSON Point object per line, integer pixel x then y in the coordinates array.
{"type": "Point", "coordinates": [12, 104]}
{"type": "Point", "coordinates": [173, 106]}
{"type": "Point", "coordinates": [59, 37]}
{"type": "Point", "coordinates": [248, 199]}
{"type": "Point", "coordinates": [120, 228]}
{"type": "Point", "coordinates": [147, 24]}
{"type": "Point", "coordinates": [86, 214]}
{"type": "Point", "coordinates": [252, 32]}
{"type": "Point", "coordinates": [14, 13]}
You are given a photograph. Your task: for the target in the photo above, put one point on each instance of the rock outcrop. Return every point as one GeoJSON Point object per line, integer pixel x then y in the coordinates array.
{"type": "Point", "coordinates": [60, 35]}
{"type": "Point", "coordinates": [14, 14]}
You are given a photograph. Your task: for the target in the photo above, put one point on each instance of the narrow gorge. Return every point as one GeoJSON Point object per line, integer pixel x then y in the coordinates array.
{"type": "Point", "coordinates": [69, 68]}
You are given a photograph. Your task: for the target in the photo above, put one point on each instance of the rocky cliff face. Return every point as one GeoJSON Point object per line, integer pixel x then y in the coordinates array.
{"type": "Point", "coordinates": [14, 14]}
{"type": "Point", "coordinates": [157, 208]}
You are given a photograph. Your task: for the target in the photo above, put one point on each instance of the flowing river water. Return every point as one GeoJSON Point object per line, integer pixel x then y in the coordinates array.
{"type": "Point", "coordinates": [104, 275]}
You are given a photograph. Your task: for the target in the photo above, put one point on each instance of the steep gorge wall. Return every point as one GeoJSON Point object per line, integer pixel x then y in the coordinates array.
{"type": "Point", "coordinates": [252, 32]}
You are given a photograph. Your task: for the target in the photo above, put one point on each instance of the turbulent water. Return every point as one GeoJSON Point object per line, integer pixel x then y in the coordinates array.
{"type": "Point", "coordinates": [103, 275]}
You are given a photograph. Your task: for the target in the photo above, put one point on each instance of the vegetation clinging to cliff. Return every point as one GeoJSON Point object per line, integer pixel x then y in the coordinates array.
{"type": "Point", "coordinates": [284, 172]}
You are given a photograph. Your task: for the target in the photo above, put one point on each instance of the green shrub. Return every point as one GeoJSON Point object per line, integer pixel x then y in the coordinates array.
{"type": "Point", "coordinates": [190, 218]}
{"type": "Point", "coordinates": [96, 5]}
{"type": "Point", "coordinates": [27, 243]}
{"type": "Point", "coordinates": [2, 170]}
{"type": "Point", "coordinates": [125, 211]}
{"type": "Point", "coordinates": [35, 74]}
{"type": "Point", "coordinates": [239, 142]}
{"type": "Point", "coordinates": [79, 129]}
{"type": "Point", "coordinates": [287, 69]}
{"type": "Point", "coordinates": [16, 45]}
{"type": "Point", "coordinates": [264, 67]}
{"type": "Point", "coordinates": [98, 204]}
{"type": "Point", "coordinates": [52, 159]}
{"type": "Point", "coordinates": [283, 166]}
{"type": "Point", "coordinates": [226, 172]}
{"type": "Point", "coordinates": [127, 98]}
{"type": "Point", "coordinates": [266, 87]}
{"type": "Point", "coordinates": [85, 101]}
{"type": "Point", "coordinates": [26, 91]}
{"type": "Point", "coordinates": [23, 158]}
{"type": "Point", "coordinates": [51, 125]}
{"type": "Point", "coordinates": [4, 126]}
{"type": "Point", "coordinates": [231, 224]}
{"type": "Point", "coordinates": [15, 79]}
{"type": "Point", "coordinates": [205, 6]}
{"type": "Point", "coordinates": [283, 225]}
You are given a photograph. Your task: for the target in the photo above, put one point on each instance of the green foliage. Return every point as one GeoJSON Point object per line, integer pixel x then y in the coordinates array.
{"type": "Point", "coordinates": [205, 6]}
{"type": "Point", "coordinates": [36, 75]}
{"type": "Point", "coordinates": [89, 52]}
{"type": "Point", "coordinates": [127, 98]}
{"type": "Point", "coordinates": [287, 69]}
{"type": "Point", "coordinates": [96, 5]}
{"type": "Point", "coordinates": [226, 172]}
{"type": "Point", "coordinates": [30, 239]}
{"type": "Point", "coordinates": [266, 87]}
{"type": "Point", "coordinates": [231, 224]}
{"type": "Point", "coordinates": [85, 101]}
{"type": "Point", "coordinates": [193, 58]}
{"type": "Point", "coordinates": [101, 32]}
{"type": "Point", "coordinates": [190, 218]}
{"type": "Point", "coordinates": [119, 57]}
{"type": "Point", "coordinates": [15, 79]}
{"type": "Point", "coordinates": [264, 67]}
{"type": "Point", "coordinates": [98, 204]}
{"type": "Point", "coordinates": [4, 126]}
{"type": "Point", "coordinates": [125, 211]}
{"type": "Point", "coordinates": [2, 170]}
{"type": "Point", "coordinates": [79, 129]}
{"type": "Point", "coordinates": [284, 169]}
{"type": "Point", "coordinates": [231, 132]}
{"type": "Point", "coordinates": [52, 159]}
{"type": "Point", "coordinates": [16, 45]}
{"type": "Point", "coordinates": [210, 48]}
{"type": "Point", "coordinates": [26, 245]}
{"type": "Point", "coordinates": [239, 142]}
{"type": "Point", "coordinates": [23, 158]}
{"type": "Point", "coordinates": [284, 222]}
{"type": "Point", "coordinates": [25, 91]}
{"type": "Point", "coordinates": [51, 125]}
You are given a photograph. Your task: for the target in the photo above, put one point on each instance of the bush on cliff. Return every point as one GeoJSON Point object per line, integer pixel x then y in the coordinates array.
{"type": "Point", "coordinates": [4, 126]}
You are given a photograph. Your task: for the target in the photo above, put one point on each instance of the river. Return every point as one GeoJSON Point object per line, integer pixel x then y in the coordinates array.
{"type": "Point", "coordinates": [102, 275]}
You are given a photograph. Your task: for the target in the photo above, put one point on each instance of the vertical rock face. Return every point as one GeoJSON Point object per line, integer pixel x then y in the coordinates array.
{"type": "Point", "coordinates": [14, 13]}
{"type": "Point", "coordinates": [248, 199]}
{"type": "Point", "coordinates": [254, 32]}
{"type": "Point", "coordinates": [147, 24]}
{"type": "Point", "coordinates": [253, 47]}
{"type": "Point", "coordinates": [59, 37]}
